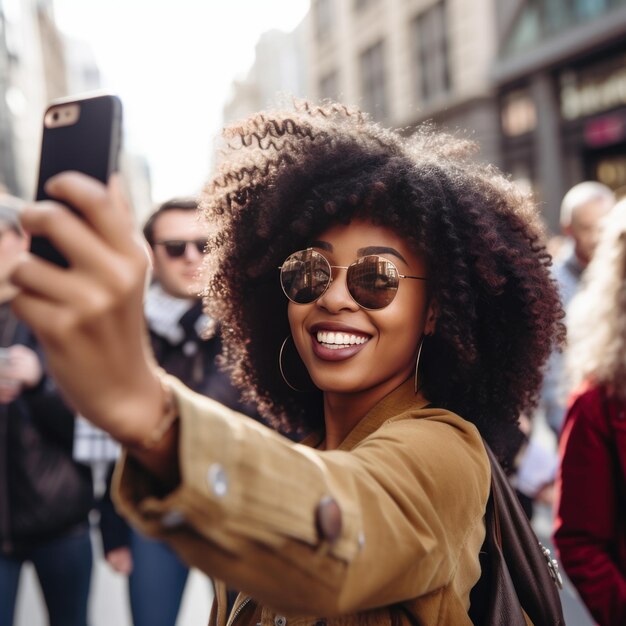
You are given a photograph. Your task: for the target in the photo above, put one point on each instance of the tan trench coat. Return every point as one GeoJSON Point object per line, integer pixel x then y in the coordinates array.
{"type": "Point", "coordinates": [411, 485]}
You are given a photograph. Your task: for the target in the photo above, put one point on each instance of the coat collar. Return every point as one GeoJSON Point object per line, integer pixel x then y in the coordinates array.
{"type": "Point", "coordinates": [400, 400]}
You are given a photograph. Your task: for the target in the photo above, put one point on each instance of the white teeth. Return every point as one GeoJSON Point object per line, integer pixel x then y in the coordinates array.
{"type": "Point", "coordinates": [334, 340]}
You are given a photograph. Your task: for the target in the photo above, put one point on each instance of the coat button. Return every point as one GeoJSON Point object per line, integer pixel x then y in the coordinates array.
{"type": "Point", "coordinates": [218, 480]}
{"type": "Point", "coordinates": [280, 620]}
{"type": "Point", "coordinates": [361, 540]}
{"type": "Point", "coordinates": [172, 519]}
{"type": "Point", "coordinates": [328, 519]}
{"type": "Point", "coordinates": [190, 348]}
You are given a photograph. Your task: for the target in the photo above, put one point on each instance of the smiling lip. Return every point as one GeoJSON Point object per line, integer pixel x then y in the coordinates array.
{"type": "Point", "coordinates": [336, 342]}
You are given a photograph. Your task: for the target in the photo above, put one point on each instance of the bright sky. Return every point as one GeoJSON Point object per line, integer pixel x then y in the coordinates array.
{"type": "Point", "coordinates": [172, 62]}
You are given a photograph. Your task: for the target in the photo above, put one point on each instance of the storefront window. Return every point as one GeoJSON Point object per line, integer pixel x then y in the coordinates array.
{"type": "Point", "coordinates": [556, 13]}
{"type": "Point", "coordinates": [612, 172]}
{"type": "Point", "coordinates": [591, 8]}
{"type": "Point", "coordinates": [360, 5]}
{"type": "Point", "coordinates": [432, 62]}
{"type": "Point", "coordinates": [323, 18]}
{"type": "Point", "coordinates": [373, 81]}
{"type": "Point", "coordinates": [329, 86]}
{"type": "Point", "coordinates": [542, 19]}
{"type": "Point", "coordinates": [593, 89]}
{"type": "Point", "coordinates": [518, 113]}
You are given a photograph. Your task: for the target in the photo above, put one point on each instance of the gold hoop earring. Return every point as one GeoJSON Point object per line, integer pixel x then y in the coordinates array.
{"type": "Point", "coordinates": [417, 362]}
{"type": "Point", "coordinates": [282, 369]}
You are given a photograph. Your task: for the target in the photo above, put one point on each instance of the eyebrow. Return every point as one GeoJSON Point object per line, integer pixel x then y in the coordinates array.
{"type": "Point", "coordinates": [324, 245]}
{"type": "Point", "coordinates": [380, 250]}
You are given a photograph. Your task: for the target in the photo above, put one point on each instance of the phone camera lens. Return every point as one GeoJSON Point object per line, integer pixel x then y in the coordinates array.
{"type": "Point", "coordinates": [55, 116]}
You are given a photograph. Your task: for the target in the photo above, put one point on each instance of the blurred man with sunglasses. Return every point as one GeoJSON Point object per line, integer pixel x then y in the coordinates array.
{"type": "Point", "coordinates": [177, 240]}
{"type": "Point", "coordinates": [186, 343]}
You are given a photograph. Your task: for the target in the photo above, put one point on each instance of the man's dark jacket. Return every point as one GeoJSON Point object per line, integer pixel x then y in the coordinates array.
{"type": "Point", "coordinates": [44, 493]}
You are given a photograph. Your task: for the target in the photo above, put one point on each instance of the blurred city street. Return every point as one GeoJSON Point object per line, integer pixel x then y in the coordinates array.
{"type": "Point", "coordinates": [573, 610]}
{"type": "Point", "coordinates": [108, 604]}
{"type": "Point", "coordinates": [538, 85]}
{"type": "Point", "coordinates": [109, 600]}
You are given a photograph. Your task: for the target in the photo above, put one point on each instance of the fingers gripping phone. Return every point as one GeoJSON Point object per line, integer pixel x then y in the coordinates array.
{"type": "Point", "coordinates": [81, 134]}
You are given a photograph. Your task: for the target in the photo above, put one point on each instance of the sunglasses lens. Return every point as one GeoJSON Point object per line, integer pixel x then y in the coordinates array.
{"type": "Point", "coordinates": [373, 282]}
{"type": "Point", "coordinates": [175, 248]}
{"type": "Point", "coordinates": [304, 276]}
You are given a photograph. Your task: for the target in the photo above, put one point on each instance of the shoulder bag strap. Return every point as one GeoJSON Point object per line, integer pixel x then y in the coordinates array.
{"type": "Point", "coordinates": [533, 572]}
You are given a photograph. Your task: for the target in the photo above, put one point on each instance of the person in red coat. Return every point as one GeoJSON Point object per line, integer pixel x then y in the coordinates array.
{"type": "Point", "coordinates": [590, 523]}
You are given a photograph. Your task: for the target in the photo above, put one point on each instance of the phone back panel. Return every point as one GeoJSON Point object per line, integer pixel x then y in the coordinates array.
{"type": "Point", "coordinates": [89, 145]}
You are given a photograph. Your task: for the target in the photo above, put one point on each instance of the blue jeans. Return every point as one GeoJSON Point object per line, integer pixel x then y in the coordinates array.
{"type": "Point", "coordinates": [63, 566]}
{"type": "Point", "coordinates": [156, 583]}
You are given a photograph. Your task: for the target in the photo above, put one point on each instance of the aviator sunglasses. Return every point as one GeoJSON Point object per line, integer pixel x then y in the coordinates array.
{"type": "Point", "coordinates": [175, 248]}
{"type": "Point", "coordinates": [372, 280]}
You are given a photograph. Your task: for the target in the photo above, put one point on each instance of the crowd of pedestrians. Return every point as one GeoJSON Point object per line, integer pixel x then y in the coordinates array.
{"type": "Point", "coordinates": [407, 328]}
{"type": "Point", "coordinates": [582, 475]}
{"type": "Point", "coordinates": [582, 209]}
{"type": "Point", "coordinates": [46, 491]}
{"type": "Point", "coordinates": [48, 453]}
{"type": "Point", "coordinates": [590, 523]}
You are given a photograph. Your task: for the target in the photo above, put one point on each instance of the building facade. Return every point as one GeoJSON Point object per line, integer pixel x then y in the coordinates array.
{"type": "Point", "coordinates": [539, 84]}
{"type": "Point", "coordinates": [39, 64]}
{"type": "Point", "coordinates": [8, 173]}
{"type": "Point", "coordinates": [280, 69]}
{"type": "Point", "coordinates": [561, 78]}
{"type": "Point", "coordinates": [33, 72]}
{"type": "Point", "coordinates": [409, 61]}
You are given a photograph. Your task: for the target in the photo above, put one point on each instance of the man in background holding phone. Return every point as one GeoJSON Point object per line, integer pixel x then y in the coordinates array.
{"type": "Point", "coordinates": [186, 343]}
{"type": "Point", "coordinates": [45, 496]}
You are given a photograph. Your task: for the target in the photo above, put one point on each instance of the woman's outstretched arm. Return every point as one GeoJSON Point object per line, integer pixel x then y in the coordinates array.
{"type": "Point", "coordinates": [89, 317]}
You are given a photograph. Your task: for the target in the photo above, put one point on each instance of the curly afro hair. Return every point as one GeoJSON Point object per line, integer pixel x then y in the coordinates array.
{"type": "Point", "coordinates": [287, 176]}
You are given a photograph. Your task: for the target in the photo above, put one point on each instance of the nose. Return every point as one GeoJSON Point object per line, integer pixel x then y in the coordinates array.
{"type": "Point", "coordinates": [192, 253]}
{"type": "Point", "coordinates": [337, 297]}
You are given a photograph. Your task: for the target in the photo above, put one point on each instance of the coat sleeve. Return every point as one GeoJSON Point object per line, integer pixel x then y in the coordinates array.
{"type": "Point", "coordinates": [585, 525]}
{"type": "Point", "coordinates": [411, 500]}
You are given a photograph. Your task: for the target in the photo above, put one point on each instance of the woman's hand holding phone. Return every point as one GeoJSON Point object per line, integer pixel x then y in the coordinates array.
{"type": "Point", "coordinates": [89, 316]}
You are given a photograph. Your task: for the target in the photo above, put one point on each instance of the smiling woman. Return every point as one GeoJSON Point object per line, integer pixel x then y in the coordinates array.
{"type": "Point", "coordinates": [404, 283]}
{"type": "Point", "coordinates": [478, 238]}
{"type": "Point", "coordinates": [360, 336]}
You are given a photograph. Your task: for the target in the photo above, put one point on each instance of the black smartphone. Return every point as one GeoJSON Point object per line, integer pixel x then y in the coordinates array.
{"type": "Point", "coordinates": [82, 134]}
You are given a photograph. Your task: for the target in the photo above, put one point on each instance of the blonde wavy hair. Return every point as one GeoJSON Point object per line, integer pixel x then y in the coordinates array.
{"type": "Point", "coordinates": [596, 321]}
